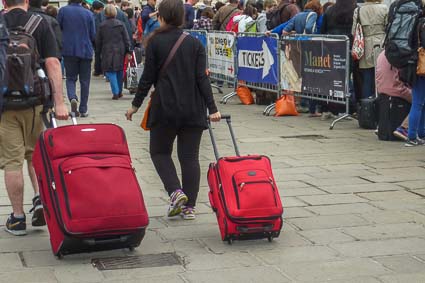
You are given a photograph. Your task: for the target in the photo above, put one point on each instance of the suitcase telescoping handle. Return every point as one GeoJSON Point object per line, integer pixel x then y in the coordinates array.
{"type": "Point", "coordinates": [55, 123]}
{"type": "Point", "coordinates": [232, 134]}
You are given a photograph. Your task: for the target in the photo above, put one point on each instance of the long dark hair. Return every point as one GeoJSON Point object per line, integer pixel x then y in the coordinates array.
{"type": "Point", "coordinates": [343, 11]}
{"type": "Point", "coordinates": [172, 13]}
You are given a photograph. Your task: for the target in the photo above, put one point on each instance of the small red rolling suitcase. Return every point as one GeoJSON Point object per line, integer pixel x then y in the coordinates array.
{"type": "Point", "coordinates": [92, 200]}
{"type": "Point", "coordinates": [244, 195]}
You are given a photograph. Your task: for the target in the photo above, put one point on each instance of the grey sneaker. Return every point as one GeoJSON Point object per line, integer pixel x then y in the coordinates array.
{"type": "Point", "coordinates": [177, 200]}
{"type": "Point", "coordinates": [415, 142]}
{"type": "Point", "coordinates": [74, 107]}
{"type": "Point", "coordinates": [84, 115]}
{"type": "Point", "coordinates": [188, 213]}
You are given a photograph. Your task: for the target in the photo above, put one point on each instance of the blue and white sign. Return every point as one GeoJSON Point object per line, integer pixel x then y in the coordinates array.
{"type": "Point", "coordinates": [200, 35]}
{"type": "Point", "coordinates": [257, 59]}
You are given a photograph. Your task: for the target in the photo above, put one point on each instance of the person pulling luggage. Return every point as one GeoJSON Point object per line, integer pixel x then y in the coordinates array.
{"type": "Point", "coordinates": [178, 110]}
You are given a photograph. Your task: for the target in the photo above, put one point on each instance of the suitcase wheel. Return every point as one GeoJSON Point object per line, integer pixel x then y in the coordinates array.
{"type": "Point", "coordinates": [59, 256]}
{"type": "Point", "coordinates": [270, 238]}
{"type": "Point", "coordinates": [131, 249]}
{"type": "Point", "coordinates": [229, 240]}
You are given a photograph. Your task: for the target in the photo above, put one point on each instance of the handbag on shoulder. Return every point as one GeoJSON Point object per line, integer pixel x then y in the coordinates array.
{"type": "Point", "coordinates": [144, 123]}
{"type": "Point", "coordinates": [358, 44]}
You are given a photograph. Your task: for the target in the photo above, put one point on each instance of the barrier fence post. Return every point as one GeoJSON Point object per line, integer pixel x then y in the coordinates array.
{"type": "Point", "coordinates": [347, 87]}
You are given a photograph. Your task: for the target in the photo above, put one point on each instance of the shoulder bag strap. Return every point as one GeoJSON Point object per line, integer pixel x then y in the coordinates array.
{"type": "Point", "coordinates": [228, 15]}
{"type": "Point", "coordinates": [358, 16]}
{"type": "Point", "coordinates": [172, 53]}
{"type": "Point", "coordinates": [306, 21]}
{"type": "Point", "coordinates": [33, 24]}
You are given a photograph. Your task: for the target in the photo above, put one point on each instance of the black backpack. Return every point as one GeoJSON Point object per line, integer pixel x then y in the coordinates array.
{"type": "Point", "coordinates": [403, 18]}
{"type": "Point", "coordinates": [23, 85]}
{"type": "Point", "coordinates": [273, 17]}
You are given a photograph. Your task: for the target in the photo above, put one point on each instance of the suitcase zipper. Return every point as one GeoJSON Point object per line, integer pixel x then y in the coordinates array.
{"type": "Point", "coordinates": [51, 183]}
{"type": "Point", "coordinates": [243, 184]}
{"type": "Point", "coordinates": [62, 176]}
{"type": "Point", "coordinates": [239, 219]}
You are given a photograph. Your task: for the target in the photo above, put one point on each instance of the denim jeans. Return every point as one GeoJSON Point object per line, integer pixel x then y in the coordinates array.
{"type": "Point", "coordinates": [368, 82]}
{"type": "Point", "coordinates": [115, 80]}
{"type": "Point", "coordinates": [417, 111]}
{"type": "Point", "coordinates": [78, 68]}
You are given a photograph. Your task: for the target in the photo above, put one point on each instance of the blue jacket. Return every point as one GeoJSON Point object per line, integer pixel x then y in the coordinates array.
{"type": "Point", "coordinates": [145, 14]}
{"type": "Point", "coordinates": [78, 31]}
{"type": "Point", "coordinates": [189, 16]}
{"type": "Point", "coordinates": [298, 24]}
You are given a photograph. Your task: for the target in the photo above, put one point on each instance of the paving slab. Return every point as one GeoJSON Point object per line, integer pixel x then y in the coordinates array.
{"type": "Point", "coordinates": [348, 208]}
{"type": "Point", "coordinates": [334, 270]}
{"type": "Point", "coordinates": [326, 236]}
{"type": "Point", "coordinates": [253, 275]}
{"type": "Point", "coordinates": [381, 247]}
{"type": "Point", "coordinates": [328, 221]}
{"type": "Point", "coordinates": [403, 278]}
{"type": "Point", "coordinates": [401, 264]}
{"type": "Point", "coordinates": [386, 231]}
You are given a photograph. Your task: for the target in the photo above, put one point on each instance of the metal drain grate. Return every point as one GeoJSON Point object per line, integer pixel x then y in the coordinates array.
{"type": "Point", "coordinates": [130, 262]}
{"type": "Point", "coordinates": [305, 137]}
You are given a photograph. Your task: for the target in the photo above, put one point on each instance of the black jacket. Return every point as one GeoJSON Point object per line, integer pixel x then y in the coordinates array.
{"type": "Point", "coordinates": [331, 24]}
{"type": "Point", "coordinates": [112, 43]}
{"type": "Point", "coordinates": [53, 24]}
{"type": "Point", "coordinates": [183, 93]}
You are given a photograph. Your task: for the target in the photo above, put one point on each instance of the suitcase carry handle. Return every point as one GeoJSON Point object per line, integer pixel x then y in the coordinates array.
{"type": "Point", "coordinates": [232, 134]}
{"type": "Point", "coordinates": [55, 123]}
{"type": "Point", "coordinates": [94, 242]}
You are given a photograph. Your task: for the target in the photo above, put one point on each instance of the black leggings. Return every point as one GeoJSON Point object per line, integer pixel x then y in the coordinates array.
{"type": "Point", "coordinates": [161, 148]}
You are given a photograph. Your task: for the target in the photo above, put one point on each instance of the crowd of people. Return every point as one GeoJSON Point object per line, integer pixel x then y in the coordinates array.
{"type": "Point", "coordinates": [65, 41]}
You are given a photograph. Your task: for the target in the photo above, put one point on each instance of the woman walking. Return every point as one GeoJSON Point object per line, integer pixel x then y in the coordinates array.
{"type": "Point", "coordinates": [178, 106]}
{"type": "Point", "coordinates": [113, 43]}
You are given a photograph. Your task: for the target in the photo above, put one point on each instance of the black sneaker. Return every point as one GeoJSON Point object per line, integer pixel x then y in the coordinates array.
{"type": "Point", "coordinates": [38, 214]}
{"type": "Point", "coordinates": [15, 226]}
{"type": "Point", "coordinates": [415, 142]}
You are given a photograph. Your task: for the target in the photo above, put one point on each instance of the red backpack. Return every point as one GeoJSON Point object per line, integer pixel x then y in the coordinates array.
{"type": "Point", "coordinates": [231, 25]}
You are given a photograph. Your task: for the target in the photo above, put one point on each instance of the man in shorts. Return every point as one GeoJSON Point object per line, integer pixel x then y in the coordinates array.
{"type": "Point", "coordinates": [20, 129]}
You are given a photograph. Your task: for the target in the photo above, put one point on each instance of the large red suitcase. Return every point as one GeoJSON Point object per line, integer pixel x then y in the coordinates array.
{"type": "Point", "coordinates": [92, 200]}
{"type": "Point", "coordinates": [244, 195]}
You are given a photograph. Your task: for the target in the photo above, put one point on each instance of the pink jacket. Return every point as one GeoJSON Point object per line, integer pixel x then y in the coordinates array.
{"type": "Point", "coordinates": [388, 80]}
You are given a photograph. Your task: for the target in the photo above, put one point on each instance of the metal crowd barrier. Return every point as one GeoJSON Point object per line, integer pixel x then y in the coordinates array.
{"type": "Point", "coordinates": [275, 88]}
{"type": "Point", "coordinates": [202, 36]}
{"type": "Point", "coordinates": [338, 98]}
{"type": "Point", "coordinates": [222, 62]}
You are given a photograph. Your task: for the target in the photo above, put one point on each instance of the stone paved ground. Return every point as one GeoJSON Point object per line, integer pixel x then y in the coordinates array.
{"type": "Point", "coordinates": [354, 210]}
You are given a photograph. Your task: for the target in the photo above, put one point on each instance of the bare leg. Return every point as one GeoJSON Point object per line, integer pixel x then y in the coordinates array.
{"type": "Point", "coordinates": [33, 178]}
{"type": "Point", "coordinates": [14, 181]}
{"type": "Point", "coordinates": [405, 123]}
